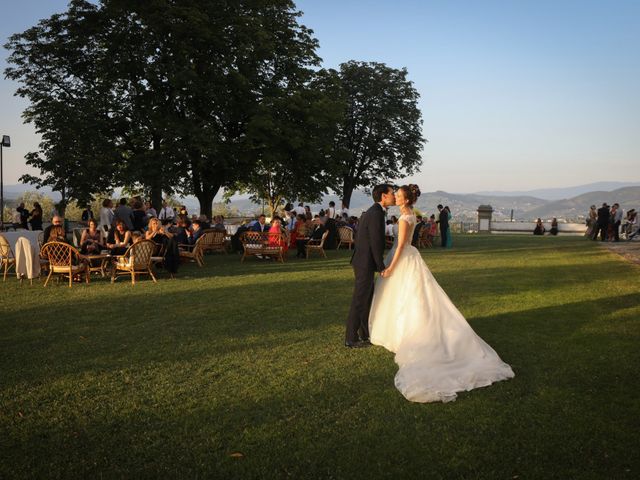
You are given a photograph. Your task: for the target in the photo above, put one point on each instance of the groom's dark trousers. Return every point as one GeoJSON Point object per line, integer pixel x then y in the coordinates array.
{"type": "Point", "coordinates": [366, 261]}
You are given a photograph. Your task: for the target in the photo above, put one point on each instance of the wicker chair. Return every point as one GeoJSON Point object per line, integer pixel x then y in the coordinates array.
{"type": "Point", "coordinates": [135, 261]}
{"type": "Point", "coordinates": [196, 252]}
{"type": "Point", "coordinates": [263, 244]}
{"type": "Point", "coordinates": [7, 258]}
{"type": "Point", "coordinates": [64, 260]}
{"type": "Point", "coordinates": [345, 236]}
{"type": "Point", "coordinates": [317, 245]}
{"type": "Point", "coordinates": [215, 241]}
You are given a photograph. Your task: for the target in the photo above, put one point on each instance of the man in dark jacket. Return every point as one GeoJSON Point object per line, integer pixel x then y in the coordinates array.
{"type": "Point", "coordinates": [443, 220]}
{"type": "Point", "coordinates": [602, 224]}
{"type": "Point", "coordinates": [366, 260]}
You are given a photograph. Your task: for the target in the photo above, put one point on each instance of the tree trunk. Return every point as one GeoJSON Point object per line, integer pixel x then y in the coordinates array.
{"type": "Point", "coordinates": [156, 197]}
{"type": "Point", "coordinates": [347, 191]}
{"type": "Point", "coordinates": [205, 196]}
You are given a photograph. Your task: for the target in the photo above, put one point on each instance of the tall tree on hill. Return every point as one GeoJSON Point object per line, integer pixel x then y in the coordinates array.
{"type": "Point", "coordinates": [380, 138]}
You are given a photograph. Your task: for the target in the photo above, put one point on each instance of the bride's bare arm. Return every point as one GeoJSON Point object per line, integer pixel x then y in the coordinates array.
{"type": "Point", "coordinates": [403, 232]}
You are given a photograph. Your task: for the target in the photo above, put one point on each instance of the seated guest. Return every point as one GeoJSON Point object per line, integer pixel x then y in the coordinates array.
{"type": "Point", "coordinates": [554, 227]}
{"type": "Point", "coordinates": [183, 230]}
{"type": "Point", "coordinates": [167, 244]}
{"type": "Point", "coordinates": [119, 238]}
{"type": "Point", "coordinates": [315, 232]}
{"type": "Point", "coordinates": [56, 221]}
{"type": "Point", "coordinates": [539, 230]}
{"type": "Point", "coordinates": [416, 232]}
{"type": "Point", "coordinates": [196, 232]}
{"type": "Point", "coordinates": [353, 224]}
{"type": "Point", "coordinates": [136, 237]}
{"type": "Point", "coordinates": [92, 240]}
{"type": "Point", "coordinates": [218, 223]}
{"type": "Point", "coordinates": [260, 225]}
{"type": "Point", "coordinates": [204, 222]}
{"type": "Point", "coordinates": [277, 237]}
{"type": "Point", "coordinates": [300, 235]}
{"type": "Point", "coordinates": [56, 234]}
{"type": "Point", "coordinates": [149, 211]}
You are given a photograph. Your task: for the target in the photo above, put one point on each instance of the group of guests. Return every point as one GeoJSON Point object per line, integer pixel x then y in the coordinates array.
{"type": "Point", "coordinates": [540, 228]}
{"type": "Point", "coordinates": [608, 222]}
{"type": "Point", "coordinates": [25, 217]}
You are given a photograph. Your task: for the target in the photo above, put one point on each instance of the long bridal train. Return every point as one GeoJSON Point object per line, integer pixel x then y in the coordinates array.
{"type": "Point", "coordinates": [437, 352]}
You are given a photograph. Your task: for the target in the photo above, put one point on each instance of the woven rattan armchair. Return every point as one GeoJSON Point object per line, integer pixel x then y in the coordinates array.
{"type": "Point", "coordinates": [135, 261]}
{"type": "Point", "coordinates": [345, 235]}
{"type": "Point", "coordinates": [64, 260]}
{"type": "Point", "coordinates": [317, 245]}
{"type": "Point", "coordinates": [7, 258]}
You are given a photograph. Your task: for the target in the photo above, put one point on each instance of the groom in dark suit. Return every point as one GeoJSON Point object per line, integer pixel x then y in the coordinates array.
{"type": "Point", "coordinates": [366, 260]}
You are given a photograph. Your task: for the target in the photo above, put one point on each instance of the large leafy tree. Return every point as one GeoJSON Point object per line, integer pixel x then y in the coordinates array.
{"type": "Point", "coordinates": [380, 137]}
{"type": "Point", "coordinates": [55, 62]}
{"type": "Point", "coordinates": [172, 85]}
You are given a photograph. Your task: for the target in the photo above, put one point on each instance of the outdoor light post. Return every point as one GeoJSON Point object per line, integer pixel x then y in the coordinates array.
{"type": "Point", "coordinates": [6, 142]}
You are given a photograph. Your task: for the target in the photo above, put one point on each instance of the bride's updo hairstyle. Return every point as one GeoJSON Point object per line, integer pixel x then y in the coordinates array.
{"type": "Point", "coordinates": [411, 193]}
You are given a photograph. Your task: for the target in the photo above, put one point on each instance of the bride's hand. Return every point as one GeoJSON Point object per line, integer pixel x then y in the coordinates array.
{"type": "Point", "coordinates": [386, 273]}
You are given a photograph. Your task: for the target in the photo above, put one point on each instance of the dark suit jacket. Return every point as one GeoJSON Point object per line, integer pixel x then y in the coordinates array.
{"type": "Point", "coordinates": [444, 218]}
{"type": "Point", "coordinates": [603, 216]}
{"type": "Point", "coordinates": [369, 245]}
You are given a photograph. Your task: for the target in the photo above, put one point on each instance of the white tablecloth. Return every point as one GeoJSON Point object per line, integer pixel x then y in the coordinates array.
{"type": "Point", "coordinates": [27, 259]}
{"type": "Point", "coordinates": [231, 229]}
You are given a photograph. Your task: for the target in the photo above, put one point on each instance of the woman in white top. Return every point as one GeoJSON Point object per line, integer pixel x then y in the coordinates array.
{"type": "Point", "coordinates": [106, 215]}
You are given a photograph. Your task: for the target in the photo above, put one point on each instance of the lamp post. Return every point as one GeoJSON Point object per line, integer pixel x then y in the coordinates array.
{"type": "Point", "coordinates": [6, 142]}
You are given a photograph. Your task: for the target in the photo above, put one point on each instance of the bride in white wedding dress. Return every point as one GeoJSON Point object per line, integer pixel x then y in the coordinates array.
{"type": "Point", "coordinates": [437, 351]}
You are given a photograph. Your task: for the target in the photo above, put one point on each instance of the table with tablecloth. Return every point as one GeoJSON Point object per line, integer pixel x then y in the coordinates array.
{"type": "Point", "coordinates": [26, 250]}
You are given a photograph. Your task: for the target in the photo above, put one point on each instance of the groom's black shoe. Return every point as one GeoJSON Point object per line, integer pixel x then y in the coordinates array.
{"type": "Point", "coordinates": [357, 344]}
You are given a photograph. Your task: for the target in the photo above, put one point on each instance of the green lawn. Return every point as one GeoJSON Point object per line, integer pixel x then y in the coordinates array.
{"type": "Point", "coordinates": [238, 371]}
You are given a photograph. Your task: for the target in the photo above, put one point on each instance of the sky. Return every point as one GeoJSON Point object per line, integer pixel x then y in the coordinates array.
{"type": "Point", "coordinates": [515, 95]}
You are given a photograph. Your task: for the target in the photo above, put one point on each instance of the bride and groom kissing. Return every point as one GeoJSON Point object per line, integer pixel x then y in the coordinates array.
{"type": "Point", "coordinates": [406, 311]}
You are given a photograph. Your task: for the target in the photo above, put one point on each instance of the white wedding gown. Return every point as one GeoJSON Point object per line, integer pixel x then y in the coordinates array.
{"type": "Point", "coordinates": [437, 351]}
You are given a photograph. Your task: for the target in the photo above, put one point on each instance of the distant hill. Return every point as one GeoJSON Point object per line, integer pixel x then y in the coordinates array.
{"type": "Point", "coordinates": [564, 192]}
{"type": "Point", "coordinates": [578, 207]}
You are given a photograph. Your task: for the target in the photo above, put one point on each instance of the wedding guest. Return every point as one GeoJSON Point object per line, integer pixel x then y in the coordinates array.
{"type": "Point", "coordinates": [119, 238]}
{"type": "Point", "coordinates": [87, 214]}
{"type": "Point", "coordinates": [416, 232]}
{"type": "Point", "coordinates": [139, 216]}
{"type": "Point", "coordinates": [331, 211]}
{"type": "Point", "coordinates": [36, 217]}
{"type": "Point", "coordinates": [166, 213]}
{"type": "Point", "coordinates": [300, 232]}
{"type": "Point", "coordinates": [204, 222]}
{"type": "Point", "coordinates": [149, 210]}
{"type": "Point", "coordinates": [92, 239]}
{"type": "Point", "coordinates": [218, 223]}
{"type": "Point", "coordinates": [106, 215]}
{"type": "Point", "coordinates": [56, 221]}
{"type": "Point", "coordinates": [183, 210]}
{"type": "Point", "coordinates": [388, 230]}
{"type": "Point", "coordinates": [592, 218]}
{"type": "Point", "coordinates": [23, 216]}
{"type": "Point", "coordinates": [307, 213]}
{"type": "Point", "coordinates": [602, 223]}
{"type": "Point", "coordinates": [260, 225]}
{"type": "Point", "coordinates": [277, 237]}
{"type": "Point", "coordinates": [123, 212]}
{"type": "Point", "coordinates": [183, 230]}
{"type": "Point", "coordinates": [443, 220]}
{"type": "Point", "coordinates": [616, 220]}
{"type": "Point", "coordinates": [166, 243]}
{"type": "Point", "coordinates": [301, 209]}
{"type": "Point", "coordinates": [554, 226]}
{"type": "Point", "coordinates": [539, 229]}
{"type": "Point", "coordinates": [632, 222]}
{"type": "Point", "coordinates": [196, 232]}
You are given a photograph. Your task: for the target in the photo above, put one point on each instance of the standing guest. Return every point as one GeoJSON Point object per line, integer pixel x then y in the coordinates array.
{"type": "Point", "coordinates": [166, 214]}
{"type": "Point", "coordinates": [87, 214]}
{"type": "Point", "coordinates": [106, 215]}
{"type": "Point", "coordinates": [300, 235]}
{"type": "Point", "coordinates": [139, 216]}
{"type": "Point", "coordinates": [149, 210]}
{"type": "Point", "coordinates": [632, 224]}
{"type": "Point", "coordinates": [301, 209]}
{"type": "Point", "coordinates": [592, 218]}
{"type": "Point", "coordinates": [444, 225]}
{"type": "Point", "coordinates": [616, 220]}
{"type": "Point", "coordinates": [449, 236]}
{"type": "Point", "coordinates": [23, 216]}
{"type": "Point", "coordinates": [119, 238]}
{"type": "Point", "coordinates": [331, 211]}
{"type": "Point", "coordinates": [388, 229]}
{"type": "Point", "coordinates": [539, 230]}
{"type": "Point", "coordinates": [602, 223]}
{"type": "Point", "coordinates": [123, 212]}
{"type": "Point", "coordinates": [36, 217]}
{"type": "Point", "coordinates": [554, 226]}
{"type": "Point", "coordinates": [92, 240]}
{"type": "Point", "coordinates": [56, 221]}
{"type": "Point", "coordinates": [307, 213]}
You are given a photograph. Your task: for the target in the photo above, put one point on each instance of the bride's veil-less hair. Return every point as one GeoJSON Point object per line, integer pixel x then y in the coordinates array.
{"type": "Point", "coordinates": [411, 192]}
